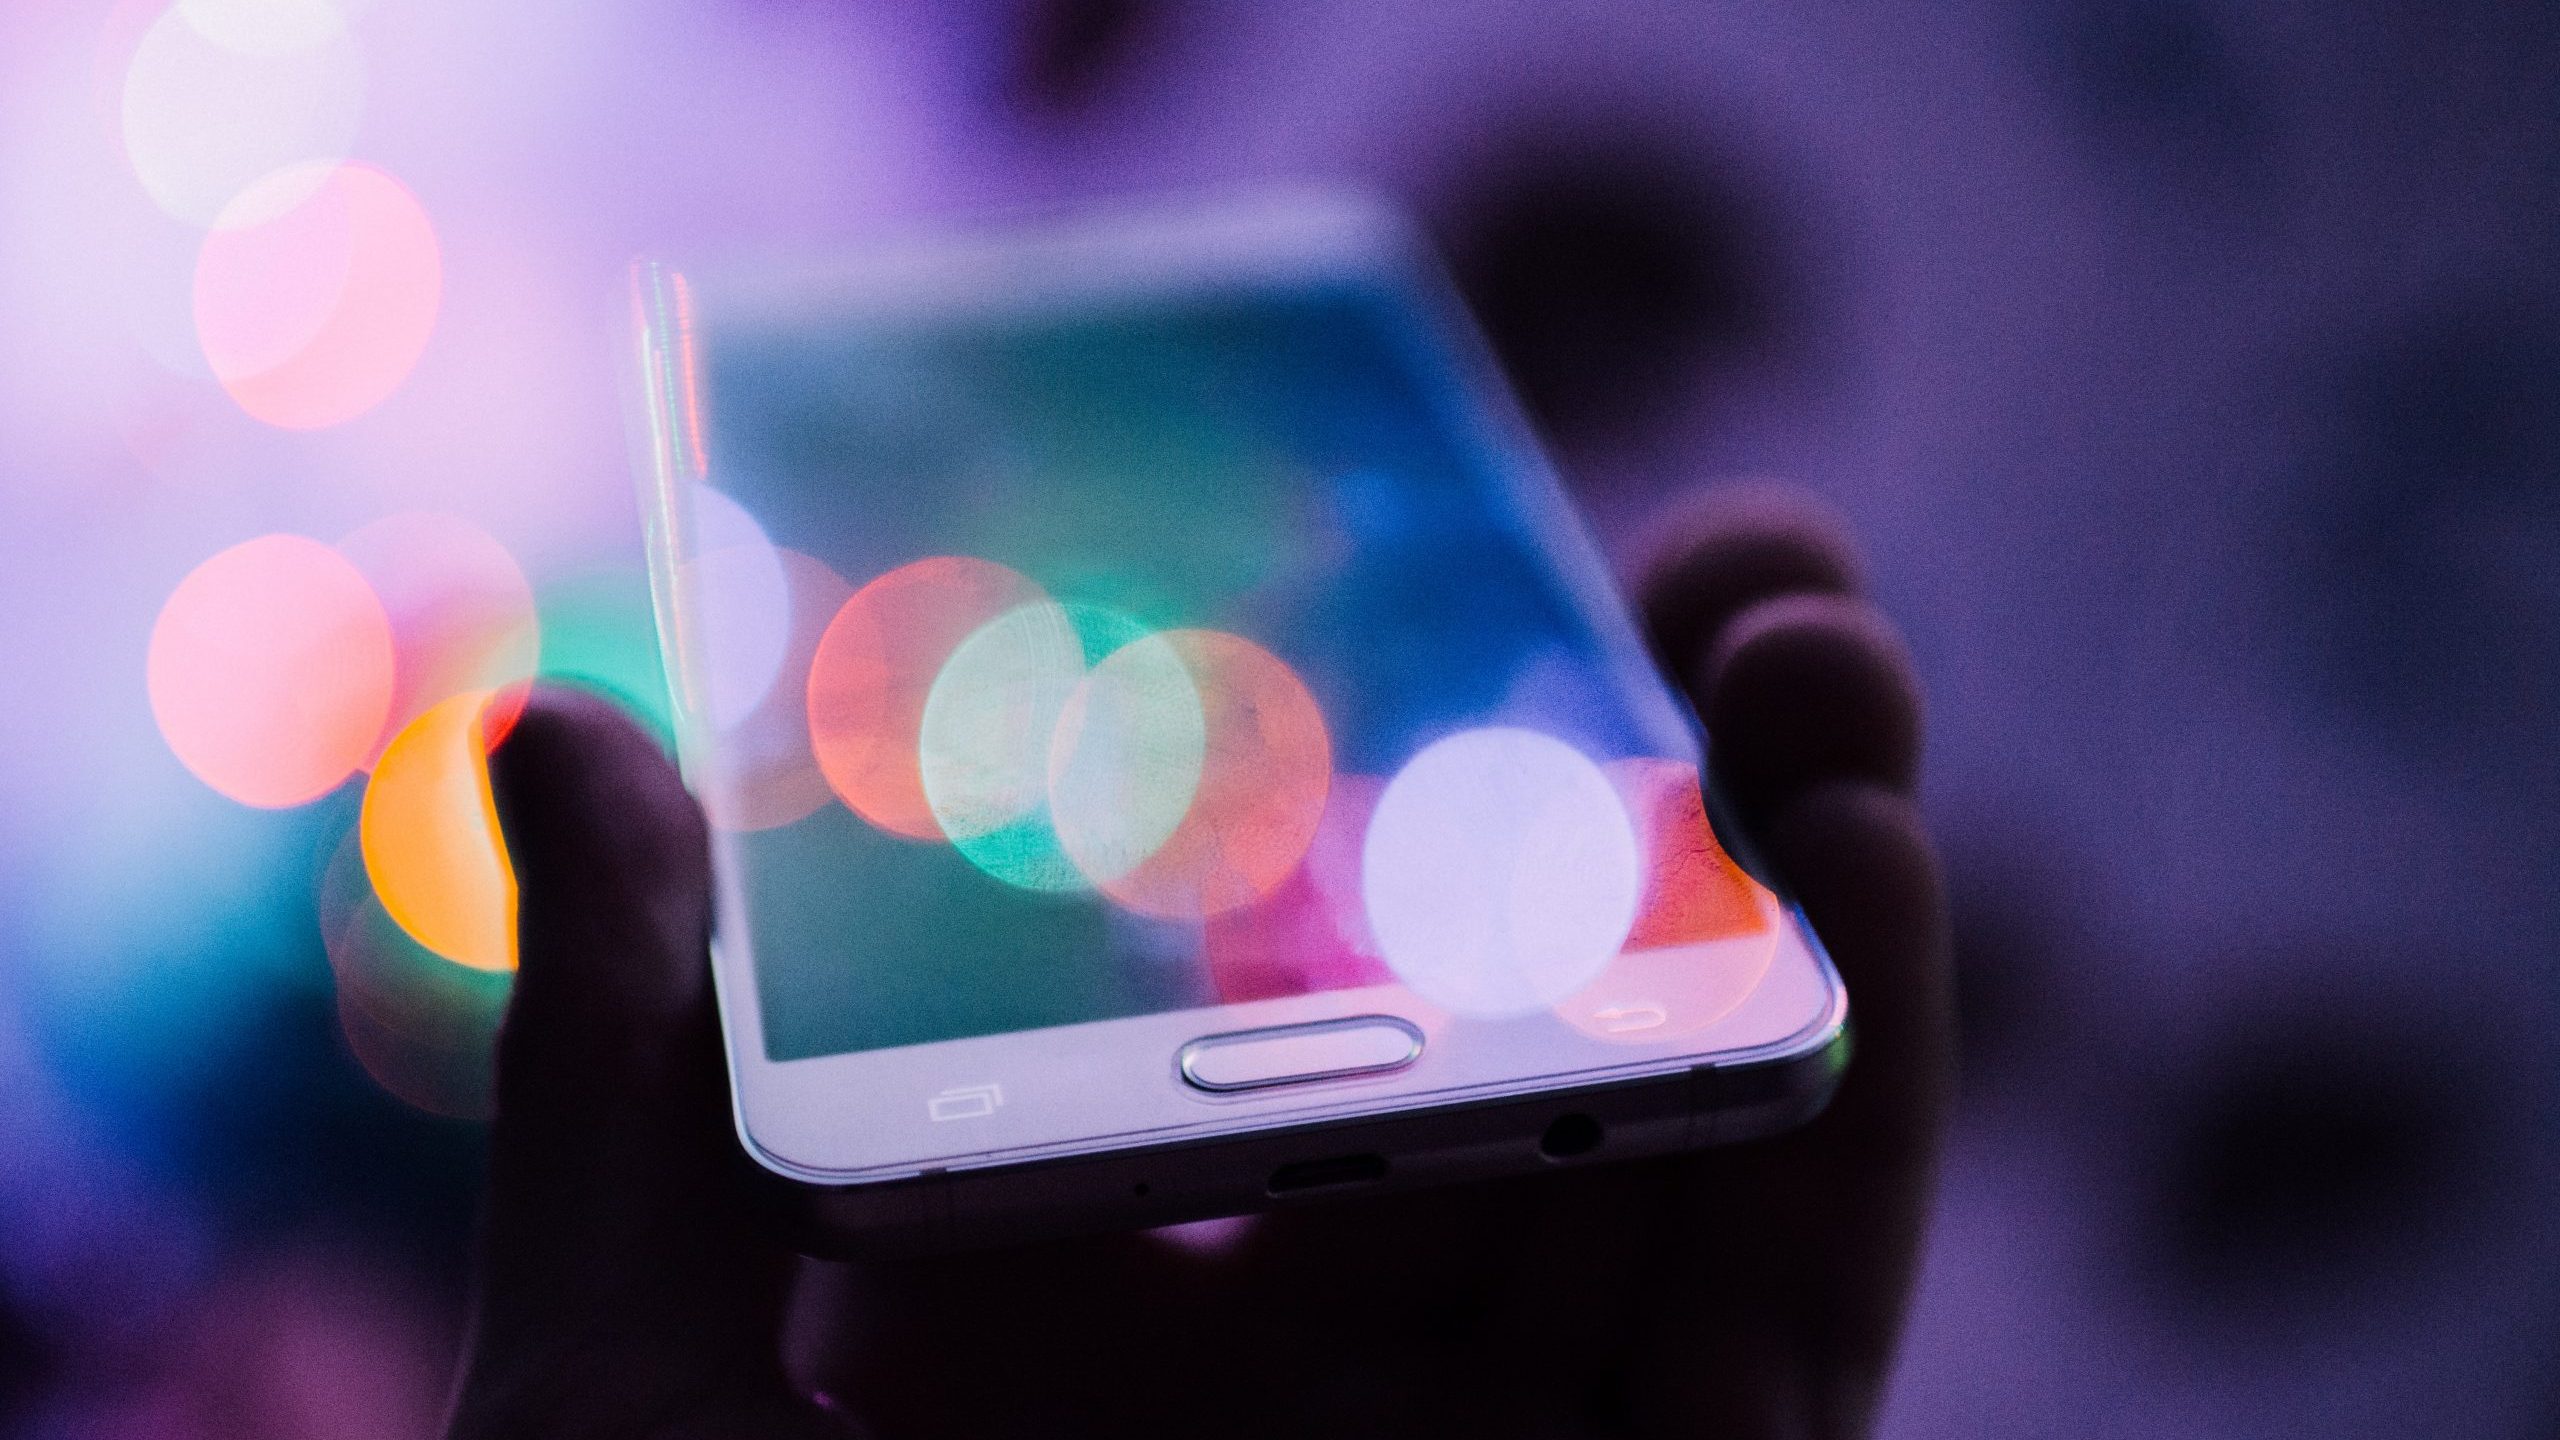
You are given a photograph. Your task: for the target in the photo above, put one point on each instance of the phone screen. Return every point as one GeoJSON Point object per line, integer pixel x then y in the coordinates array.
{"type": "Point", "coordinates": [1064, 663]}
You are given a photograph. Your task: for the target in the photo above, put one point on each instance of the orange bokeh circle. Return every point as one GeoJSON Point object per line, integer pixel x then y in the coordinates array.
{"type": "Point", "coordinates": [874, 668]}
{"type": "Point", "coordinates": [430, 835]}
{"type": "Point", "coordinates": [1693, 890]}
{"type": "Point", "coordinates": [1705, 932]}
{"type": "Point", "coordinates": [1266, 769]}
{"type": "Point", "coordinates": [270, 670]}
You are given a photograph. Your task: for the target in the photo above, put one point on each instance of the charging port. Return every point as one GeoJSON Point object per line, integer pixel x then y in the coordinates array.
{"type": "Point", "coordinates": [1300, 1175]}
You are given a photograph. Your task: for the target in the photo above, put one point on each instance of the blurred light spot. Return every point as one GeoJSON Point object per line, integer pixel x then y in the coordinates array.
{"type": "Point", "coordinates": [1656, 994]}
{"type": "Point", "coordinates": [1500, 872]}
{"type": "Point", "coordinates": [440, 1072]}
{"type": "Point", "coordinates": [1705, 932]}
{"type": "Point", "coordinates": [270, 670]}
{"type": "Point", "coordinates": [203, 120]}
{"type": "Point", "coordinates": [265, 27]}
{"type": "Point", "coordinates": [1693, 890]}
{"type": "Point", "coordinates": [1267, 766]}
{"type": "Point", "coordinates": [461, 612]}
{"type": "Point", "coordinates": [874, 668]}
{"type": "Point", "coordinates": [424, 1028]}
{"type": "Point", "coordinates": [431, 841]}
{"type": "Point", "coordinates": [985, 740]}
{"type": "Point", "coordinates": [316, 293]}
{"type": "Point", "coordinates": [598, 632]}
{"type": "Point", "coordinates": [1125, 759]}
{"type": "Point", "coordinates": [742, 600]}
{"type": "Point", "coordinates": [766, 774]}
{"type": "Point", "coordinates": [1311, 932]}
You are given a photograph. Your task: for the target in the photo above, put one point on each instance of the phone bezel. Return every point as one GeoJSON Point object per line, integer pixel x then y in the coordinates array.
{"type": "Point", "coordinates": [793, 1116]}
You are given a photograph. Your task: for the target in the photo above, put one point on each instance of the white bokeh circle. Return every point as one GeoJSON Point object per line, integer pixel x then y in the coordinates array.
{"type": "Point", "coordinates": [1500, 872]}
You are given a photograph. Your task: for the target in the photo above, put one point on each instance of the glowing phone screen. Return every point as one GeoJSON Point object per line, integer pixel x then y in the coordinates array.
{"type": "Point", "coordinates": [1134, 656]}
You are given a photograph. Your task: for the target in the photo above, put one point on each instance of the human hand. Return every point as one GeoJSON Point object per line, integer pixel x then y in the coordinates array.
{"type": "Point", "coordinates": [627, 1288]}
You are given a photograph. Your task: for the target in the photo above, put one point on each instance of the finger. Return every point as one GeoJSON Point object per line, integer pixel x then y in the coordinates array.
{"type": "Point", "coordinates": [1720, 551]}
{"type": "Point", "coordinates": [621, 1280]}
{"type": "Point", "coordinates": [1867, 875]}
{"type": "Point", "coordinates": [1803, 690]}
{"type": "Point", "coordinates": [1808, 1242]}
{"type": "Point", "coordinates": [1811, 1240]}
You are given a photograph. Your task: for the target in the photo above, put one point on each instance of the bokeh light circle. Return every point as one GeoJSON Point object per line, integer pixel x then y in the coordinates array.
{"type": "Point", "coordinates": [741, 598]}
{"type": "Point", "coordinates": [1500, 872]}
{"type": "Point", "coordinates": [874, 669]}
{"type": "Point", "coordinates": [1125, 758]}
{"type": "Point", "coordinates": [446, 1069]}
{"type": "Point", "coordinates": [984, 741]}
{"type": "Point", "coordinates": [270, 670]}
{"type": "Point", "coordinates": [423, 1027]}
{"type": "Point", "coordinates": [316, 292]}
{"type": "Point", "coordinates": [1705, 932]}
{"type": "Point", "coordinates": [265, 27]}
{"type": "Point", "coordinates": [600, 633]}
{"type": "Point", "coordinates": [431, 841]}
{"type": "Point", "coordinates": [204, 120]}
{"type": "Point", "coordinates": [1693, 890]}
{"type": "Point", "coordinates": [765, 774]}
{"type": "Point", "coordinates": [989, 722]}
{"type": "Point", "coordinates": [1310, 933]}
{"type": "Point", "coordinates": [461, 611]}
{"type": "Point", "coordinates": [1672, 991]}
{"type": "Point", "coordinates": [1267, 764]}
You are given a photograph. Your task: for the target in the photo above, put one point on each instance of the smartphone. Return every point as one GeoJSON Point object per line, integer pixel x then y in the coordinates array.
{"type": "Point", "coordinates": [1172, 748]}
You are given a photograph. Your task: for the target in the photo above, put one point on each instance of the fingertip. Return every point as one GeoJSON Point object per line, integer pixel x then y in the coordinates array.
{"type": "Point", "coordinates": [622, 1260]}
{"type": "Point", "coordinates": [582, 793]}
{"type": "Point", "coordinates": [563, 733]}
{"type": "Point", "coordinates": [613, 888]}
{"type": "Point", "coordinates": [1713, 553]}
{"type": "Point", "coordinates": [1806, 689]}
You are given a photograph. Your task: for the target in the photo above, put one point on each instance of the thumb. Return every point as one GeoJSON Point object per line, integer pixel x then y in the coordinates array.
{"type": "Point", "coordinates": [623, 1289]}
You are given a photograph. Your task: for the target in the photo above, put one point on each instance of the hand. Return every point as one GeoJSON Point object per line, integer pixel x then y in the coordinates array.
{"type": "Point", "coordinates": [626, 1289]}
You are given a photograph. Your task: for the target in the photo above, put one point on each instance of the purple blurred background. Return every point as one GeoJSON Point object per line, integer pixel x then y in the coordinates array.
{"type": "Point", "coordinates": [2190, 371]}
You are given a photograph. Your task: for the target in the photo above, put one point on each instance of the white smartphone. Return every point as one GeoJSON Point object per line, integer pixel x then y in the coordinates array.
{"type": "Point", "coordinates": [1173, 750]}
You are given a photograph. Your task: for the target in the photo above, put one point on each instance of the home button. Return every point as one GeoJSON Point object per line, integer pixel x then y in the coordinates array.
{"type": "Point", "coordinates": [1291, 1054]}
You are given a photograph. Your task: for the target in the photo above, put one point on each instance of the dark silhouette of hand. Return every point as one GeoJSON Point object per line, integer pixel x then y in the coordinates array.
{"type": "Point", "coordinates": [627, 1289]}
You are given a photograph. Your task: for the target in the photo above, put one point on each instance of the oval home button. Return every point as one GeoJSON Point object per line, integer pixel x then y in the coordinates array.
{"type": "Point", "coordinates": [1287, 1054]}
